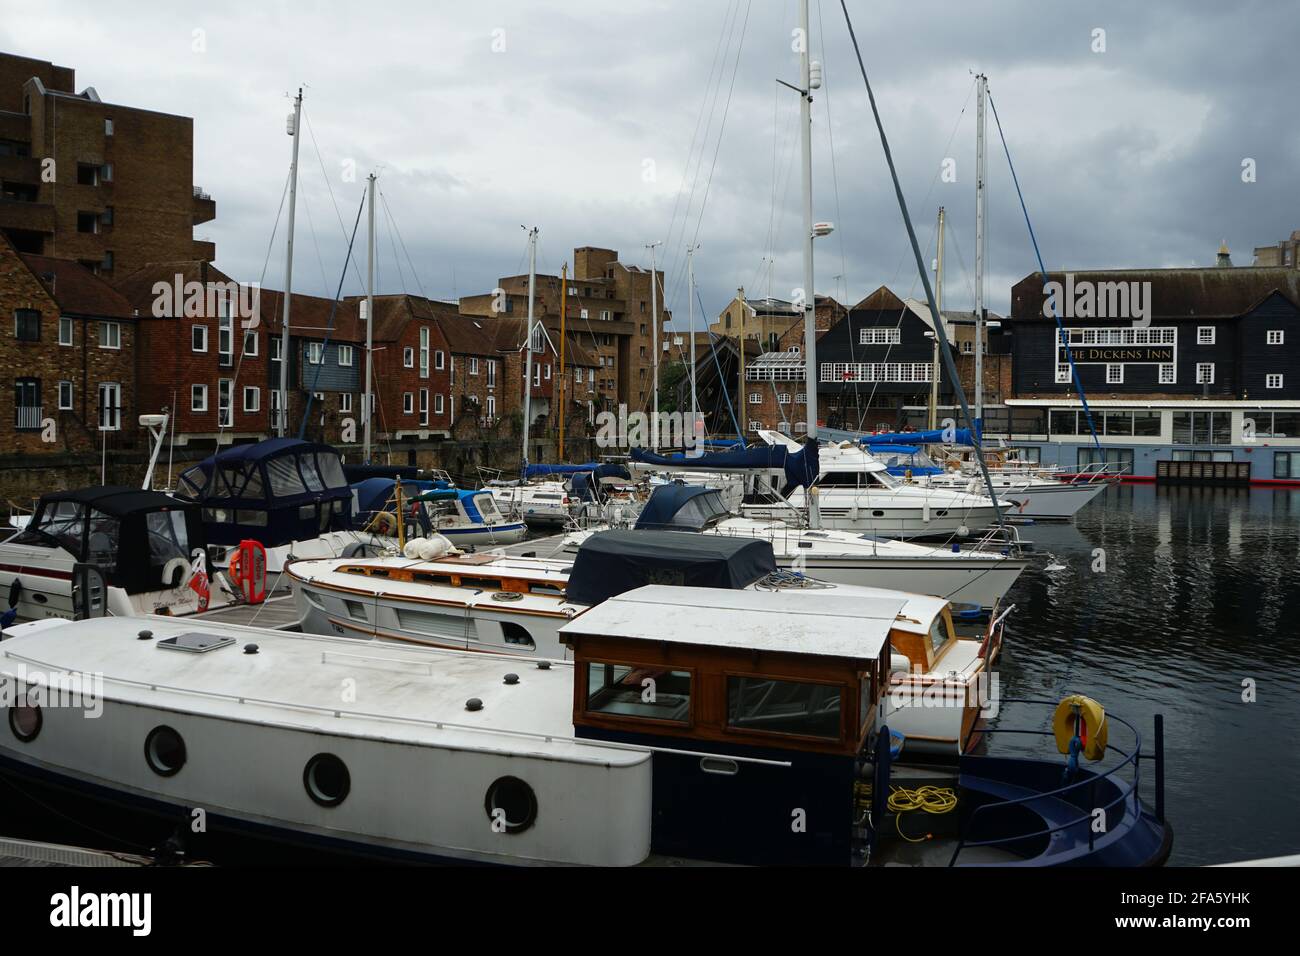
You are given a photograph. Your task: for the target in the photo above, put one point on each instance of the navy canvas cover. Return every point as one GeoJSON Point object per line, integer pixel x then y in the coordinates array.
{"type": "Point", "coordinates": [613, 562]}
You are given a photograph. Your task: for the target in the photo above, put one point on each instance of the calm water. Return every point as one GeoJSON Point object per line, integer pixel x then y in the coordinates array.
{"type": "Point", "coordinates": [1200, 593]}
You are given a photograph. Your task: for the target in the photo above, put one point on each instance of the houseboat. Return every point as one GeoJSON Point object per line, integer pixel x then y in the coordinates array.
{"type": "Point", "coordinates": [690, 726]}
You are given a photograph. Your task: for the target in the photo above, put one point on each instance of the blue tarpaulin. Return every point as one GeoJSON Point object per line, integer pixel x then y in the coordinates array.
{"type": "Point", "coordinates": [959, 436]}
{"type": "Point", "coordinates": [534, 471]}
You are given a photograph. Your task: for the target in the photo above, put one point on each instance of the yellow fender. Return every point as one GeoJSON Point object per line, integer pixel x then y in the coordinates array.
{"type": "Point", "coordinates": [1072, 710]}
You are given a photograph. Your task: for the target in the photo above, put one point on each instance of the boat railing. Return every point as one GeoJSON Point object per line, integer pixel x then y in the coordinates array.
{"type": "Point", "coordinates": [1126, 790]}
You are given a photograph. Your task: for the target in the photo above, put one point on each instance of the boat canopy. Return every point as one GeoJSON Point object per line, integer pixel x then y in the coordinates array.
{"type": "Point", "coordinates": [585, 485]}
{"type": "Point", "coordinates": [535, 471]}
{"type": "Point", "coordinates": [800, 467]}
{"type": "Point", "coordinates": [612, 562]}
{"type": "Point", "coordinates": [275, 491]}
{"type": "Point", "coordinates": [680, 507]}
{"type": "Point", "coordinates": [132, 536]}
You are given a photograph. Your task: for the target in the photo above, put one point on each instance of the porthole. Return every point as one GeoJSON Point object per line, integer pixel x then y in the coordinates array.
{"type": "Point", "coordinates": [327, 780]}
{"type": "Point", "coordinates": [164, 751]}
{"type": "Point", "coordinates": [25, 720]}
{"type": "Point", "coordinates": [877, 514]}
{"type": "Point", "coordinates": [511, 805]}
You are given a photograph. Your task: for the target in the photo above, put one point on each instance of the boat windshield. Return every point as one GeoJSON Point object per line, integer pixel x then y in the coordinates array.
{"type": "Point", "coordinates": [60, 523]}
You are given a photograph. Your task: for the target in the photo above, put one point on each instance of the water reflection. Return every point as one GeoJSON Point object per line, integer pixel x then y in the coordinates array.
{"type": "Point", "coordinates": [1197, 603]}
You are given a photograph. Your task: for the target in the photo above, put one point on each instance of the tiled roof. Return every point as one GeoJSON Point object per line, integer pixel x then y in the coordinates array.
{"type": "Point", "coordinates": [76, 289]}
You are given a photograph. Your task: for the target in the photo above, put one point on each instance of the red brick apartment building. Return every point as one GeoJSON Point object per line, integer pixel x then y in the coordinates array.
{"type": "Point", "coordinates": [106, 185]}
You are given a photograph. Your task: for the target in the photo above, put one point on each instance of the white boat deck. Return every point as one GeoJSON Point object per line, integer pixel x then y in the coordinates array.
{"type": "Point", "coordinates": [340, 685]}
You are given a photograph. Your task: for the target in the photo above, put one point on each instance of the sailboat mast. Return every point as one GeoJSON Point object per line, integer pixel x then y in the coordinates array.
{"type": "Point", "coordinates": [809, 298]}
{"type": "Point", "coordinates": [654, 345]}
{"type": "Point", "coordinates": [528, 345]}
{"type": "Point", "coordinates": [295, 129]}
{"type": "Point", "coordinates": [938, 294]}
{"type": "Point", "coordinates": [690, 325]}
{"type": "Point", "coordinates": [370, 316]}
{"type": "Point", "coordinates": [982, 85]}
{"type": "Point", "coordinates": [564, 295]}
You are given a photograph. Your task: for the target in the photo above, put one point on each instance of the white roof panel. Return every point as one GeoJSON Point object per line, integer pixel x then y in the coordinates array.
{"type": "Point", "coordinates": [828, 625]}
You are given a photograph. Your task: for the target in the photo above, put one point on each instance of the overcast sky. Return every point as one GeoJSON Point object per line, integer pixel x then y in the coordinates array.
{"type": "Point", "coordinates": [602, 123]}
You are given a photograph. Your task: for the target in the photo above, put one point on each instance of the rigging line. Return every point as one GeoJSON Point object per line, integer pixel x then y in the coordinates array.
{"type": "Point", "coordinates": [326, 176]}
{"type": "Point", "coordinates": [397, 261]}
{"type": "Point", "coordinates": [945, 348]}
{"type": "Point", "coordinates": [712, 92]}
{"type": "Point", "coordinates": [722, 129]}
{"type": "Point", "coordinates": [830, 133]}
{"type": "Point", "coordinates": [329, 329]}
{"type": "Point", "coordinates": [699, 116]}
{"type": "Point", "coordinates": [311, 227]}
{"type": "Point", "coordinates": [393, 222]}
{"type": "Point", "coordinates": [1064, 339]}
{"type": "Point", "coordinates": [234, 382]}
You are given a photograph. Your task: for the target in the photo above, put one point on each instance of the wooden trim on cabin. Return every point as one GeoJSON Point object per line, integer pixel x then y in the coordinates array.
{"type": "Point", "coordinates": [437, 602]}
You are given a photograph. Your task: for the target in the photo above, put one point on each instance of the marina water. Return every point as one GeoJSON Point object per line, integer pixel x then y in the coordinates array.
{"type": "Point", "coordinates": [1199, 603]}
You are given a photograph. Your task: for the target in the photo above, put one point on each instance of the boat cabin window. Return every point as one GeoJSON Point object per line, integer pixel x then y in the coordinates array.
{"type": "Point", "coordinates": [61, 520]}
{"type": "Point", "coordinates": [621, 690]}
{"type": "Point", "coordinates": [487, 507]}
{"type": "Point", "coordinates": [331, 471]}
{"type": "Point", "coordinates": [784, 707]}
{"type": "Point", "coordinates": [192, 483]}
{"type": "Point", "coordinates": [310, 474]}
{"type": "Point", "coordinates": [938, 635]}
{"type": "Point", "coordinates": [840, 479]}
{"type": "Point", "coordinates": [102, 541]}
{"type": "Point", "coordinates": [285, 480]}
{"type": "Point", "coordinates": [167, 536]}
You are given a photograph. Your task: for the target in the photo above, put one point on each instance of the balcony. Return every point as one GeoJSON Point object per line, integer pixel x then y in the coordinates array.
{"type": "Point", "coordinates": [27, 216]}
{"type": "Point", "coordinates": [28, 418]}
{"type": "Point", "coordinates": [20, 169]}
{"type": "Point", "coordinates": [205, 250]}
{"type": "Point", "coordinates": [205, 207]}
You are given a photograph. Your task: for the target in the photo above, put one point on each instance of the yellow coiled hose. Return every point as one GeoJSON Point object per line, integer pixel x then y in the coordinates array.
{"type": "Point", "coordinates": [936, 800]}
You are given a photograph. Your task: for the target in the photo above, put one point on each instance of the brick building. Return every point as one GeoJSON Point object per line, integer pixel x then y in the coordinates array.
{"type": "Point", "coordinates": [198, 355]}
{"type": "Point", "coordinates": [66, 355]}
{"type": "Point", "coordinates": [107, 185]}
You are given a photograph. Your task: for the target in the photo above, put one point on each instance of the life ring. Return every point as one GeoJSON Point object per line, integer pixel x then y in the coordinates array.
{"type": "Point", "coordinates": [1083, 717]}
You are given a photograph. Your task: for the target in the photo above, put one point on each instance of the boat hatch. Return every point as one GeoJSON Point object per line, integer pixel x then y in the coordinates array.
{"type": "Point", "coordinates": [195, 642]}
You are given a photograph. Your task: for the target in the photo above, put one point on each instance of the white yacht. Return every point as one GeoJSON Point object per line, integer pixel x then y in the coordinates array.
{"type": "Point", "coordinates": [855, 492]}
{"type": "Point", "coordinates": [978, 574]}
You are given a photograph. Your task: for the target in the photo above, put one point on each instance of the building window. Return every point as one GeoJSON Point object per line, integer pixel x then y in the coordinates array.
{"type": "Point", "coordinates": [88, 222]}
{"type": "Point", "coordinates": [538, 338]}
{"type": "Point", "coordinates": [27, 325]}
{"type": "Point", "coordinates": [1114, 374]}
{"type": "Point", "coordinates": [275, 350]}
{"type": "Point", "coordinates": [110, 406]}
{"type": "Point", "coordinates": [967, 347]}
{"type": "Point", "coordinates": [225, 399]}
{"type": "Point", "coordinates": [492, 406]}
{"type": "Point", "coordinates": [27, 404]}
{"type": "Point", "coordinates": [65, 396]}
{"type": "Point", "coordinates": [87, 175]}
{"type": "Point", "coordinates": [345, 355]}
{"type": "Point", "coordinates": [275, 408]}
{"type": "Point", "coordinates": [537, 376]}
{"type": "Point", "coordinates": [473, 365]}
{"type": "Point", "coordinates": [439, 360]}
{"type": "Point", "coordinates": [783, 398]}
{"type": "Point", "coordinates": [437, 403]}
{"type": "Point", "coordinates": [1062, 374]}
{"type": "Point", "coordinates": [492, 373]}
{"type": "Point", "coordinates": [225, 333]}
{"type": "Point", "coordinates": [1168, 374]}
{"type": "Point", "coordinates": [345, 402]}
{"type": "Point", "coordinates": [548, 371]}
{"type": "Point", "coordinates": [110, 335]}
{"type": "Point", "coordinates": [801, 398]}
{"type": "Point", "coordinates": [408, 357]}
{"type": "Point", "coordinates": [1276, 336]}
{"type": "Point", "coordinates": [606, 315]}
{"type": "Point", "coordinates": [250, 343]}
{"type": "Point", "coordinates": [198, 398]}
{"type": "Point", "coordinates": [424, 353]}
{"type": "Point", "coordinates": [800, 428]}
{"type": "Point", "coordinates": [1286, 464]}
{"type": "Point", "coordinates": [755, 426]}
{"type": "Point", "coordinates": [755, 398]}
{"type": "Point", "coordinates": [878, 337]}
{"type": "Point", "coordinates": [198, 338]}
{"type": "Point", "coordinates": [65, 330]}
{"type": "Point", "coordinates": [1273, 381]}
{"type": "Point", "coordinates": [582, 314]}
{"type": "Point", "coordinates": [1205, 335]}
{"type": "Point", "coordinates": [408, 403]}
{"type": "Point", "coordinates": [1205, 373]}
{"type": "Point", "coordinates": [314, 352]}
{"type": "Point", "coordinates": [252, 399]}
{"type": "Point", "coordinates": [108, 127]}
{"type": "Point", "coordinates": [424, 406]}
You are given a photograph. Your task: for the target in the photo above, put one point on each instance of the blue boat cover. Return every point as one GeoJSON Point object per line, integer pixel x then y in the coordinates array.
{"type": "Point", "coordinates": [582, 482]}
{"type": "Point", "coordinates": [680, 507]}
{"type": "Point", "coordinates": [534, 471]}
{"type": "Point", "coordinates": [960, 436]}
{"type": "Point", "coordinates": [612, 562]}
{"type": "Point", "coordinates": [770, 457]}
{"type": "Point", "coordinates": [274, 491]}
